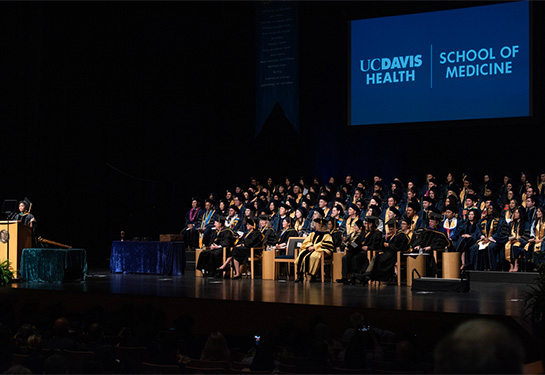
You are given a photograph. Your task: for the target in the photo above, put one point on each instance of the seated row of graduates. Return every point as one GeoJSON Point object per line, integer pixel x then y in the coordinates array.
{"type": "Point", "coordinates": [488, 242]}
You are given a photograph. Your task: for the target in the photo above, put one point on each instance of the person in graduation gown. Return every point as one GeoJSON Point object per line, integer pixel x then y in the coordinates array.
{"type": "Point", "coordinates": [354, 257]}
{"type": "Point", "coordinates": [434, 237]}
{"type": "Point", "coordinates": [411, 214]}
{"type": "Point", "coordinates": [212, 257]}
{"type": "Point", "coordinates": [490, 239]}
{"type": "Point", "coordinates": [265, 228]}
{"type": "Point", "coordinates": [466, 236]}
{"type": "Point", "coordinates": [353, 216]}
{"type": "Point", "coordinates": [26, 218]}
{"type": "Point", "coordinates": [309, 258]}
{"type": "Point", "coordinates": [191, 220]}
{"type": "Point", "coordinates": [287, 232]}
{"type": "Point", "coordinates": [518, 238]}
{"type": "Point", "coordinates": [534, 248]}
{"type": "Point", "coordinates": [300, 223]}
{"type": "Point", "coordinates": [232, 220]}
{"type": "Point", "coordinates": [451, 223]}
{"type": "Point", "coordinates": [276, 221]}
{"type": "Point", "coordinates": [337, 213]}
{"type": "Point", "coordinates": [381, 267]}
{"type": "Point", "coordinates": [336, 235]}
{"type": "Point", "coordinates": [252, 239]}
{"type": "Point", "coordinates": [202, 232]}
{"type": "Point", "coordinates": [24, 215]}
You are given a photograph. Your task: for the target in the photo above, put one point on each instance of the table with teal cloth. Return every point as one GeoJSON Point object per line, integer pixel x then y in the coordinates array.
{"type": "Point", "coordinates": [53, 265]}
{"type": "Point", "coordinates": [155, 257]}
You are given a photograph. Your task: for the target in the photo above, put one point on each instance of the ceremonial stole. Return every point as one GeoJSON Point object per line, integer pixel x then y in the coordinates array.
{"type": "Point", "coordinates": [515, 229]}
{"type": "Point", "coordinates": [540, 234]}
{"type": "Point", "coordinates": [203, 225]}
{"type": "Point", "coordinates": [450, 226]}
{"type": "Point", "coordinates": [299, 225]}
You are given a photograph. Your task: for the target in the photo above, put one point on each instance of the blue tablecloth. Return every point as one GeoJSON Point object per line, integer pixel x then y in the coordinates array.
{"type": "Point", "coordinates": [53, 265]}
{"type": "Point", "coordinates": [165, 258]}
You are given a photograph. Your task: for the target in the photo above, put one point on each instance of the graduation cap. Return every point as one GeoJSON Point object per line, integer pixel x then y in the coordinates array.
{"type": "Point", "coordinates": [395, 197]}
{"type": "Point", "coordinates": [250, 222]}
{"type": "Point", "coordinates": [455, 188]}
{"type": "Point", "coordinates": [427, 199]}
{"type": "Point", "coordinates": [340, 209]}
{"type": "Point", "coordinates": [234, 208]}
{"type": "Point", "coordinates": [210, 201]}
{"type": "Point", "coordinates": [292, 203]}
{"type": "Point", "coordinates": [371, 218]}
{"type": "Point", "coordinates": [320, 211]}
{"type": "Point", "coordinates": [435, 214]}
{"type": "Point", "coordinates": [325, 197]}
{"type": "Point", "coordinates": [377, 199]}
{"type": "Point", "coordinates": [451, 207]}
{"type": "Point", "coordinates": [221, 219]}
{"type": "Point", "coordinates": [320, 221]}
{"type": "Point", "coordinates": [359, 223]}
{"type": "Point", "coordinates": [391, 223]}
{"type": "Point", "coordinates": [264, 217]}
{"type": "Point", "coordinates": [415, 206]}
{"type": "Point", "coordinates": [395, 211]}
{"type": "Point", "coordinates": [355, 208]}
{"type": "Point", "coordinates": [303, 210]}
{"type": "Point", "coordinates": [473, 197]}
{"type": "Point", "coordinates": [285, 206]}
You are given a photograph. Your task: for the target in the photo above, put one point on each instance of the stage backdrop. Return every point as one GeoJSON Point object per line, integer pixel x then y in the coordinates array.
{"type": "Point", "coordinates": [277, 61]}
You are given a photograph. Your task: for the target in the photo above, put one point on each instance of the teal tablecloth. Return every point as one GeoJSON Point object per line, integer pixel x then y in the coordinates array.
{"type": "Point", "coordinates": [53, 265]}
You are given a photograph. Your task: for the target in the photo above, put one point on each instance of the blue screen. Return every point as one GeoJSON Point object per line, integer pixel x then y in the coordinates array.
{"type": "Point", "coordinates": [469, 63]}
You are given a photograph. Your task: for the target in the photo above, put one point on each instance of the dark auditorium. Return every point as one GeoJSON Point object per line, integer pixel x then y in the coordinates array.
{"type": "Point", "coordinates": [272, 187]}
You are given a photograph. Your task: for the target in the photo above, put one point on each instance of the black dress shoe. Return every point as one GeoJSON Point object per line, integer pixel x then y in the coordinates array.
{"type": "Point", "coordinates": [351, 281]}
{"type": "Point", "coordinates": [237, 277]}
{"type": "Point", "coordinates": [297, 280]}
{"type": "Point", "coordinates": [313, 279]}
{"type": "Point", "coordinates": [343, 280]}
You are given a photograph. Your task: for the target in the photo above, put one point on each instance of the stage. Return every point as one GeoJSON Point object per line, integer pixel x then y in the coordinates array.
{"type": "Point", "coordinates": [255, 306]}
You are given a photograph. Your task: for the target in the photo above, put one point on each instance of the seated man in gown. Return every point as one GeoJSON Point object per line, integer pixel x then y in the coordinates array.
{"type": "Point", "coordinates": [308, 261]}
{"type": "Point", "coordinates": [381, 267]}
{"type": "Point", "coordinates": [434, 237]}
{"type": "Point", "coordinates": [212, 257]}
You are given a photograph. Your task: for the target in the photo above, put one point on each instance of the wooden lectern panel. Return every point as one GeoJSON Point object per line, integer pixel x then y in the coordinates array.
{"type": "Point", "coordinates": [20, 237]}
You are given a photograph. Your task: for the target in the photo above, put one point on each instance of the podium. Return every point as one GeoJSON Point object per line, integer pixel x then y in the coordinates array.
{"type": "Point", "coordinates": [18, 236]}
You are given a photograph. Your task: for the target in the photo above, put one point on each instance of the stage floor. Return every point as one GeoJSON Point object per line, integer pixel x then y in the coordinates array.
{"type": "Point", "coordinates": [484, 298]}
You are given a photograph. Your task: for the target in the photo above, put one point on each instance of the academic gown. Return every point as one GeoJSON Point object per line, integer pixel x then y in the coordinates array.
{"type": "Point", "coordinates": [463, 244]}
{"type": "Point", "coordinates": [435, 238]}
{"type": "Point", "coordinates": [253, 238]}
{"type": "Point", "coordinates": [205, 222]}
{"type": "Point", "coordinates": [337, 237]}
{"type": "Point", "coordinates": [483, 258]}
{"type": "Point", "coordinates": [285, 235]}
{"type": "Point", "coordinates": [211, 259]}
{"type": "Point", "coordinates": [309, 262]}
{"type": "Point", "coordinates": [356, 261]}
{"type": "Point", "coordinates": [383, 268]}
{"type": "Point", "coordinates": [269, 237]}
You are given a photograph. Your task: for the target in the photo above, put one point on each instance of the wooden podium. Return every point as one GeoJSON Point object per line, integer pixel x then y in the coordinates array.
{"type": "Point", "coordinates": [18, 236]}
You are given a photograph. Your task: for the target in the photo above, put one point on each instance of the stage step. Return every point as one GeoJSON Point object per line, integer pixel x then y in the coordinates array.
{"type": "Point", "coordinates": [190, 259]}
{"type": "Point", "coordinates": [502, 277]}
